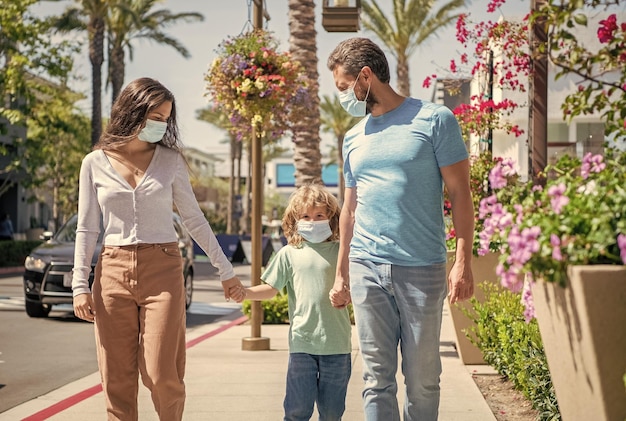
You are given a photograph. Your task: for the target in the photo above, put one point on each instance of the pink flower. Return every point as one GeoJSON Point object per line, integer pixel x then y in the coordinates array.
{"type": "Point", "coordinates": [621, 243]}
{"type": "Point", "coordinates": [591, 163]}
{"type": "Point", "coordinates": [498, 174]}
{"type": "Point", "coordinates": [555, 241]}
{"type": "Point", "coordinates": [607, 29]}
{"type": "Point", "coordinates": [494, 4]}
{"type": "Point", "coordinates": [558, 200]}
{"type": "Point", "coordinates": [509, 278]}
{"type": "Point", "coordinates": [527, 298]}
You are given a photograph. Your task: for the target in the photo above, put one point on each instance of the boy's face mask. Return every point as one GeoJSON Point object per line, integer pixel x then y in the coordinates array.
{"type": "Point", "coordinates": [314, 231]}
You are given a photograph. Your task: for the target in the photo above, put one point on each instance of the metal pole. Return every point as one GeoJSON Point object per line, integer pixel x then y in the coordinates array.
{"type": "Point", "coordinates": [255, 342]}
{"type": "Point", "coordinates": [258, 14]}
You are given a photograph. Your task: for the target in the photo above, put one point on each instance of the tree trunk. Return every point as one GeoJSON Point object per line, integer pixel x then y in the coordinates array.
{"type": "Point", "coordinates": [118, 68]}
{"type": "Point", "coordinates": [302, 44]}
{"type": "Point", "coordinates": [96, 57]}
{"type": "Point", "coordinates": [402, 73]}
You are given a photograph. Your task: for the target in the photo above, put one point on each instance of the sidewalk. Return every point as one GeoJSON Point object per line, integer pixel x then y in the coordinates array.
{"type": "Point", "coordinates": [225, 383]}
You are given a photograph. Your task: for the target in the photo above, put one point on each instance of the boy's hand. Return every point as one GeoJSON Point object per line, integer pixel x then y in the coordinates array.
{"type": "Point", "coordinates": [233, 289]}
{"type": "Point", "coordinates": [339, 295]}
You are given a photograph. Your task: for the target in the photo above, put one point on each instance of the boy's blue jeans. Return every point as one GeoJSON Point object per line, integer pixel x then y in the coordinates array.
{"type": "Point", "coordinates": [399, 305]}
{"type": "Point", "coordinates": [321, 379]}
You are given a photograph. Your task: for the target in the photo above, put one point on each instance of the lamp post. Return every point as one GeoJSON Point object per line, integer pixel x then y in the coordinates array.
{"type": "Point", "coordinates": [341, 15]}
{"type": "Point", "coordinates": [255, 342]}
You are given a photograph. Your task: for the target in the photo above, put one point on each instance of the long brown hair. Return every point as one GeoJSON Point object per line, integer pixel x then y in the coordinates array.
{"type": "Point", "coordinates": [307, 196]}
{"type": "Point", "coordinates": [130, 112]}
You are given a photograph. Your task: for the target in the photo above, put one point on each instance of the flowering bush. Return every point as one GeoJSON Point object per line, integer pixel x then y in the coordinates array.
{"type": "Point", "coordinates": [255, 84]}
{"type": "Point", "coordinates": [510, 70]}
{"type": "Point", "coordinates": [480, 166]}
{"type": "Point", "coordinates": [577, 218]}
{"type": "Point", "coordinates": [606, 95]}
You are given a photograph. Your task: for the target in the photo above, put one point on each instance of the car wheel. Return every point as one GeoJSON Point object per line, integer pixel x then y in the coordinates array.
{"type": "Point", "coordinates": [188, 288]}
{"type": "Point", "coordinates": [35, 309]}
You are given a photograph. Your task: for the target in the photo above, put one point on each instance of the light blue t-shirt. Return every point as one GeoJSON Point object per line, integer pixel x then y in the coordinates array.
{"type": "Point", "coordinates": [393, 160]}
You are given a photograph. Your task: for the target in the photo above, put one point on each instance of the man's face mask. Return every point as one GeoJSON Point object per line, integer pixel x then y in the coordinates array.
{"type": "Point", "coordinates": [351, 103]}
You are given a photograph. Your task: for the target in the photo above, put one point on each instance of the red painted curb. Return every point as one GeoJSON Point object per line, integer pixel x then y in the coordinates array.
{"type": "Point", "coordinates": [61, 406]}
{"type": "Point", "coordinates": [18, 270]}
{"type": "Point", "coordinates": [52, 410]}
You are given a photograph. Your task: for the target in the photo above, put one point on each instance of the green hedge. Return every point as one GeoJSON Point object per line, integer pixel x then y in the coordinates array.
{"type": "Point", "coordinates": [13, 253]}
{"type": "Point", "coordinates": [513, 347]}
{"type": "Point", "coordinates": [276, 310]}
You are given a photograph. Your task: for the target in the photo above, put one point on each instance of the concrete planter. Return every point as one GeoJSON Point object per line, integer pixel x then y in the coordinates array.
{"type": "Point", "coordinates": [33, 234]}
{"type": "Point", "coordinates": [484, 269]}
{"type": "Point", "coordinates": [583, 328]}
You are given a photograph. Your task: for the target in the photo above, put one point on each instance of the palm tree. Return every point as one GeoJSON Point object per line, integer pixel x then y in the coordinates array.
{"type": "Point", "coordinates": [136, 19]}
{"type": "Point", "coordinates": [306, 136]}
{"type": "Point", "coordinates": [90, 15]}
{"type": "Point", "coordinates": [335, 120]}
{"type": "Point", "coordinates": [414, 24]}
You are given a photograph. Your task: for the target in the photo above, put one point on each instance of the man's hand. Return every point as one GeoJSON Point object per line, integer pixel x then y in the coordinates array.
{"type": "Point", "coordinates": [339, 295]}
{"type": "Point", "coordinates": [460, 283]}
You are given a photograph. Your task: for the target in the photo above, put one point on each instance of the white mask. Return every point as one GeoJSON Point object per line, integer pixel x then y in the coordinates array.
{"type": "Point", "coordinates": [351, 103]}
{"type": "Point", "coordinates": [314, 231]}
{"type": "Point", "coordinates": [153, 132]}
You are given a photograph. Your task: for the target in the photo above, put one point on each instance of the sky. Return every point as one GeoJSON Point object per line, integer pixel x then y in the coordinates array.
{"type": "Point", "coordinates": [185, 77]}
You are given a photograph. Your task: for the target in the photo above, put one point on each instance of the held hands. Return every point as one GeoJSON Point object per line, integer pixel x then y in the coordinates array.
{"type": "Point", "coordinates": [339, 295]}
{"type": "Point", "coordinates": [233, 289]}
{"type": "Point", "coordinates": [460, 283]}
{"type": "Point", "coordinates": [83, 307]}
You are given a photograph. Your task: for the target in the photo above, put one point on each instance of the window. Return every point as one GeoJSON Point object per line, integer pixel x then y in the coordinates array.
{"type": "Point", "coordinates": [285, 175]}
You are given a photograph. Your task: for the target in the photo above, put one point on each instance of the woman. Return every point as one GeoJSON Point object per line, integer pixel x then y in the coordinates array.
{"type": "Point", "coordinates": [130, 182]}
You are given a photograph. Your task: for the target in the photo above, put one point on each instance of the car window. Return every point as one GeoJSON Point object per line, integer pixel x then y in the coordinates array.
{"type": "Point", "coordinates": [67, 233]}
{"type": "Point", "coordinates": [178, 226]}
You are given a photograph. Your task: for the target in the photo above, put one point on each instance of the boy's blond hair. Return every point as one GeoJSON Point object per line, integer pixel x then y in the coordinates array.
{"type": "Point", "coordinates": [306, 196]}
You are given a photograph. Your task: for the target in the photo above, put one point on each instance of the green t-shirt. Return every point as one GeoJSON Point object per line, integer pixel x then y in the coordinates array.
{"type": "Point", "coordinates": [308, 273]}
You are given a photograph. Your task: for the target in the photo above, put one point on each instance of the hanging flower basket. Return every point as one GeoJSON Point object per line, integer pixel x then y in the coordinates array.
{"type": "Point", "coordinates": [255, 84]}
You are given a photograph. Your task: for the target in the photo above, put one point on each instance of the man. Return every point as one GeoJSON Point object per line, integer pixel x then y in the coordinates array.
{"type": "Point", "coordinates": [392, 255]}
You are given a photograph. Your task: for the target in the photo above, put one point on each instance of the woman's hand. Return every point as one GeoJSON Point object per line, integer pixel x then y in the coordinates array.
{"type": "Point", "coordinates": [83, 307]}
{"type": "Point", "coordinates": [234, 289]}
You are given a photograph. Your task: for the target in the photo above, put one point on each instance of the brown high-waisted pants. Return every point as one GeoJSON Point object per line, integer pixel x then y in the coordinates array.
{"type": "Point", "coordinates": [139, 300]}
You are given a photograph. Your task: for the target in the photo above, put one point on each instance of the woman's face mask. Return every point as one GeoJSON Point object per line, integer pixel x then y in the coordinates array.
{"type": "Point", "coordinates": [351, 103]}
{"type": "Point", "coordinates": [314, 231]}
{"type": "Point", "coordinates": [153, 132]}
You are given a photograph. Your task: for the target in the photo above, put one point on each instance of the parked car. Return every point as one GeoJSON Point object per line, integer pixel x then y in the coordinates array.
{"type": "Point", "coordinates": [48, 268]}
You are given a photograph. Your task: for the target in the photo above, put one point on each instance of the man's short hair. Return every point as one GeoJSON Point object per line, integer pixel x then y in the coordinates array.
{"type": "Point", "coordinates": [355, 53]}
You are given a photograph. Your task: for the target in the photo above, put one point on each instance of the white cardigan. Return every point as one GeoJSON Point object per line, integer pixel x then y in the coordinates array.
{"type": "Point", "coordinates": [140, 215]}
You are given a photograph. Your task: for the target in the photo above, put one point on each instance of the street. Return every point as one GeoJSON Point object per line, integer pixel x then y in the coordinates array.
{"type": "Point", "coordinates": [40, 355]}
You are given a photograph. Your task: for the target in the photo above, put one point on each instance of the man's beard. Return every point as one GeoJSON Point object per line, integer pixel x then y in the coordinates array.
{"type": "Point", "coordinates": [371, 101]}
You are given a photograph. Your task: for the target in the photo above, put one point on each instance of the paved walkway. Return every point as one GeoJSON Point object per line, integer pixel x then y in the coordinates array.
{"type": "Point", "coordinates": [225, 383]}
